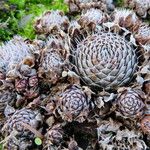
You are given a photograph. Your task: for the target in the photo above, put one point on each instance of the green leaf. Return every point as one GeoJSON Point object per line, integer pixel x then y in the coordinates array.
{"type": "Point", "coordinates": [1, 147]}
{"type": "Point", "coordinates": [119, 3]}
{"type": "Point", "coordinates": [20, 3]}
{"type": "Point", "coordinates": [38, 141]}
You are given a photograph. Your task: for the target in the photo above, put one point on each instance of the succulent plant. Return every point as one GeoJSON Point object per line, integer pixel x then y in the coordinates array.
{"type": "Point", "coordinates": [17, 65]}
{"type": "Point", "coordinates": [111, 135]}
{"type": "Point", "coordinates": [91, 18]}
{"type": "Point", "coordinates": [23, 123]}
{"type": "Point", "coordinates": [33, 81]}
{"type": "Point", "coordinates": [125, 18]}
{"type": "Point", "coordinates": [7, 95]}
{"type": "Point", "coordinates": [105, 60]}
{"type": "Point", "coordinates": [54, 135]}
{"type": "Point", "coordinates": [28, 86]}
{"type": "Point", "coordinates": [13, 53]}
{"type": "Point", "coordinates": [53, 60]}
{"type": "Point", "coordinates": [74, 29]}
{"type": "Point", "coordinates": [105, 50]}
{"type": "Point", "coordinates": [145, 124]}
{"type": "Point", "coordinates": [74, 104]}
{"type": "Point", "coordinates": [141, 7]}
{"type": "Point", "coordinates": [21, 144]}
{"type": "Point", "coordinates": [73, 145]}
{"type": "Point", "coordinates": [130, 103]}
{"type": "Point", "coordinates": [51, 21]}
{"type": "Point", "coordinates": [146, 87]}
{"type": "Point", "coordinates": [143, 34]}
{"type": "Point", "coordinates": [79, 5]}
{"type": "Point", "coordinates": [21, 85]}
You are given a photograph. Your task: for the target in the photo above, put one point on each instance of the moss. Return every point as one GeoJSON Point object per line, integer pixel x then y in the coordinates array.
{"type": "Point", "coordinates": [20, 3]}
{"type": "Point", "coordinates": [22, 14]}
{"type": "Point", "coordinates": [119, 3]}
{"type": "Point", "coordinates": [1, 147]}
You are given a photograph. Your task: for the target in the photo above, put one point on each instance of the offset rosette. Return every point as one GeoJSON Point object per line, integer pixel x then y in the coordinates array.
{"type": "Point", "coordinates": [54, 135]}
{"type": "Point", "coordinates": [141, 7]}
{"type": "Point", "coordinates": [80, 5]}
{"type": "Point", "coordinates": [92, 18]}
{"type": "Point", "coordinates": [51, 21]}
{"type": "Point", "coordinates": [145, 124]}
{"type": "Point", "coordinates": [14, 53]}
{"type": "Point", "coordinates": [130, 103]}
{"type": "Point", "coordinates": [105, 60]}
{"type": "Point", "coordinates": [23, 124]}
{"type": "Point", "coordinates": [53, 60]}
{"type": "Point", "coordinates": [74, 104]}
{"type": "Point", "coordinates": [143, 34]}
{"type": "Point", "coordinates": [17, 62]}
